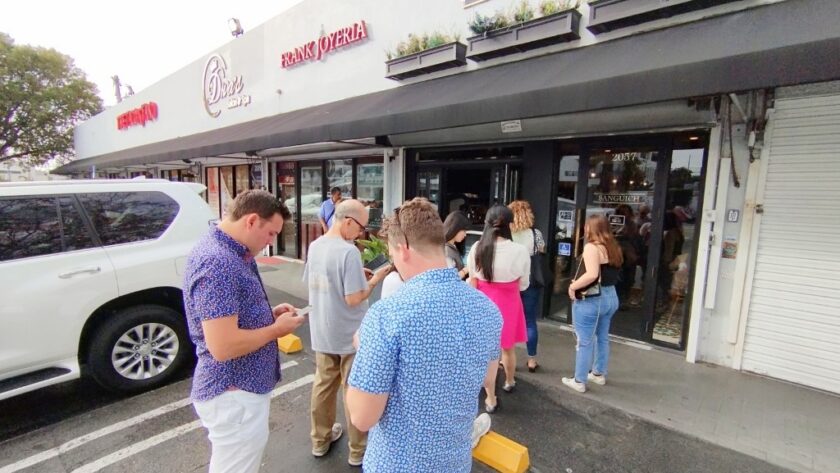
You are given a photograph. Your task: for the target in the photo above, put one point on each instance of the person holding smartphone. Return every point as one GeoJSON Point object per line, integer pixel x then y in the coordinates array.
{"type": "Point", "coordinates": [339, 287]}
{"type": "Point", "coordinates": [591, 316]}
{"type": "Point", "coordinates": [235, 331]}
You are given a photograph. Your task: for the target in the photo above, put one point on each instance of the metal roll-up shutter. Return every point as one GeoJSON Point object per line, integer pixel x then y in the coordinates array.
{"type": "Point", "coordinates": [793, 325]}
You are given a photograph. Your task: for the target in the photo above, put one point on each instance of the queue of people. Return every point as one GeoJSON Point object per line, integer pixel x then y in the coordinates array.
{"type": "Point", "coordinates": [411, 366]}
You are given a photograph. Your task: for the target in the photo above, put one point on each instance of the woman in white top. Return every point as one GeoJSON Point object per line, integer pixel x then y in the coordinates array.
{"type": "Point", "coordinates": [524, 233]}
{"type": "Point", "coordinates": [500, 269]}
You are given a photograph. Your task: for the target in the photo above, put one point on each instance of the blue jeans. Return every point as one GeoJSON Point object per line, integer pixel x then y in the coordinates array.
{"type": "Point", "coordinates": [531, 303]}
{"type": "Point", "coordinates": [591, 318]}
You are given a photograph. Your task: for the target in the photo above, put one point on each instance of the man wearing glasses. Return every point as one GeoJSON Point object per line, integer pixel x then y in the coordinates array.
{"type": "Point", "coordinates": [338, 292]}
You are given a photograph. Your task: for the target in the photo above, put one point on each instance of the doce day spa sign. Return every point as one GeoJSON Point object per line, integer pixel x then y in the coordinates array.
{"type": "Point", "coordinates": [317, 49]}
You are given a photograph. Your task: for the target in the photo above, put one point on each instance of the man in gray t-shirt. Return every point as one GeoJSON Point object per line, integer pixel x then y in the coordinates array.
{"type": "Point", "coordinates": [338, 292]}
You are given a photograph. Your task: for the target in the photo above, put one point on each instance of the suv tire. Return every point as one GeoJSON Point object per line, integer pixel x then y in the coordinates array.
{"type": "Point", "coordinates": [139, 348]}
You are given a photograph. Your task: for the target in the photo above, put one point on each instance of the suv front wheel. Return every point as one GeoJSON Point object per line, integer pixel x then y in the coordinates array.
{"type": "Point", "coordinates": [139, 348]}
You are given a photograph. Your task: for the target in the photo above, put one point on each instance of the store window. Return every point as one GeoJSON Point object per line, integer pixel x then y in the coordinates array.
{"type": "Point", "coordinates": [340, 174]}
{"type": "Point", "coordinates": [226, 187]}
{"type": "Point", "coordinates": [243, 179]}
{"type": "Point", "coordinates": [370, 188]}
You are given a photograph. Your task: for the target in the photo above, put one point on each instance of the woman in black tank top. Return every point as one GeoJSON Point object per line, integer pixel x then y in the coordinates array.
{"type": "Point", "coordinates": [591, 316]}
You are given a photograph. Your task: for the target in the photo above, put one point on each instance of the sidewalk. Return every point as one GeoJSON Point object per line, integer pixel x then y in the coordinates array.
{"type": "Point", "coordinates": [784, 424]}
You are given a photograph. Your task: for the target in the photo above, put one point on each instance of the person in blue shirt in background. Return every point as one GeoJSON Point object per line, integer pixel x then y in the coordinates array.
{"type": "Point", "coordinates": [327, 210]}
{"type": "Point", "coordinates": [423, 355]}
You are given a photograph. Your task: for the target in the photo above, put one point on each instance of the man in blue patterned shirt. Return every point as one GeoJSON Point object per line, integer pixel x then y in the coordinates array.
{"type": "Point", "coordinates": [234, 329]}
{"type": "Point", "coordinates": [423, 355]}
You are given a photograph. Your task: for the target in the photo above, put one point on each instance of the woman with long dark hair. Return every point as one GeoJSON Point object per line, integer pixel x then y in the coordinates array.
{"type": "Point", "coordinates": [500, 269]}
{"type": "Point", "coordinates": [455, 230]}
{"type": "Point", "coordinates": [591, 315]}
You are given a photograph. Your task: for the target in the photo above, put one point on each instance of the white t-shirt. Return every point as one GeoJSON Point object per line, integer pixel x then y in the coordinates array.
{"type": "Point", "coordinates": [511, 261]}
{"type": "Point", "coordinates": [390, 284]}
{"type": "Point", "coordinates": [526, 239]}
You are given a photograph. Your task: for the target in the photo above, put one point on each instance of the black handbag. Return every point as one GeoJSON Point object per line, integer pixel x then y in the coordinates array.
{"type": "Point", "coordinates": [537, 278]}
{"type": "Point", "coordinates": [593, 289]}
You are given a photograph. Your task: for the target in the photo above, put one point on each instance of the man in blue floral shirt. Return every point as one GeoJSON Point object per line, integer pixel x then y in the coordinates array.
{"type": "Point", "coordinates": [235, 330]}
{"type": "Point", "coordinates": [423, 355]}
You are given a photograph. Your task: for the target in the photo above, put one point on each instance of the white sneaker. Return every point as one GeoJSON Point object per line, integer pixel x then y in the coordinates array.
{"type": "Point", "coordinates": [598, 379]}
{"type": "Point", "coordinates": [481, 425]}
{"type": "Point", "coordinates": [572, 383]}
{"type": "Point", "coordinates": [337, 432]}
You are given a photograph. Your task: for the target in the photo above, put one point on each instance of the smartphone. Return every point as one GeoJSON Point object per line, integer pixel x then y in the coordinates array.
{"type": "Point", "coordinates": [377, 263]}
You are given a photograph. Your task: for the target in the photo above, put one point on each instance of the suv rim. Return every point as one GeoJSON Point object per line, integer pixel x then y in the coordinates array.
{"type": "Point", "coordinates": [144, 351]}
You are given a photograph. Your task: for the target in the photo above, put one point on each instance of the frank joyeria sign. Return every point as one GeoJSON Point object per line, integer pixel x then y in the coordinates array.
{"type": "Point", "coordinates": [220, 89]}
{"type": "Point", "coordinates": [317, 49]}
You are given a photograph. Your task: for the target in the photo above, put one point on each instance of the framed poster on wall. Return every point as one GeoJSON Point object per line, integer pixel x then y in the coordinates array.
{"type": "Point", "coordinates": [226, 187]}
{"type": "Point", "coordinates": [213, 190]}
{"type": "Point", "coordinates": [242, 178]}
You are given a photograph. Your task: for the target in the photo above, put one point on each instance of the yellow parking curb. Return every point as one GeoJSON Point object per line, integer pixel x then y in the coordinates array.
{"type": "Point", "coordinates": [289, 344]}
{"type": "Point", "coordinates": [502, 454]}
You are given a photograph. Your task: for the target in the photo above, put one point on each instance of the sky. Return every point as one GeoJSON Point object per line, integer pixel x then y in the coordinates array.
{"type": "Point", "coordinates": [141, 42]}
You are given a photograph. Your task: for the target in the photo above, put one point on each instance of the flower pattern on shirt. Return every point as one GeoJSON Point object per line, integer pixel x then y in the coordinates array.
{"type": "Point", "coordinates": [221, 279]}
{"type": "Point", "coordinates": [427, 346]}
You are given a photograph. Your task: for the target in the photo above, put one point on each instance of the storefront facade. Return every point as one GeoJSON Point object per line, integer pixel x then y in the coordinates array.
{"type": "Point", "coordinates": [660, 120]}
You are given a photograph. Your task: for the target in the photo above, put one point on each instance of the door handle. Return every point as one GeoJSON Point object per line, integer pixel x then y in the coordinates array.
{"type": "Point", "coordinates": [74, 272]}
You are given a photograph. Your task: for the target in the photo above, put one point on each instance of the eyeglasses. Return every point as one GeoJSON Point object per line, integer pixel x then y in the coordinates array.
{"type": "Point", "coordinates": [397, 222]}
{"type": "Point", "coordinates": [362, 227]}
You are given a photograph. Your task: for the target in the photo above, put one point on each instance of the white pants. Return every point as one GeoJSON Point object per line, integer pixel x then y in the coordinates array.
{"type": "Point", "coordinates": [237, 426]}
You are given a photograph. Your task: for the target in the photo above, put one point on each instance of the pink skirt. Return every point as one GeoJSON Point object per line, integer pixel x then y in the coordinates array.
{"type": "Point", "coordinates": [506, 297]}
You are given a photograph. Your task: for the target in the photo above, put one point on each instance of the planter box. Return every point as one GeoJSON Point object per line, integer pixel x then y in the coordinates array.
{"type": "Point", "coordinates": [424, 62]}
{"type": "Point", "coordinates": [608, 15]}
{"type": "Point", "coordinates": [544, 31]}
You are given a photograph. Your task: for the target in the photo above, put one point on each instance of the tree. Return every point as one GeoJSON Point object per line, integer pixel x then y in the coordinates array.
{"type": "Point", "coordinates": [43, 95]}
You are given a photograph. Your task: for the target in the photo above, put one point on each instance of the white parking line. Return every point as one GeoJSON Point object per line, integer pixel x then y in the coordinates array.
{"type": "Point", "coordinates": [79, 441]}
{"type": "Point", "coordinates": [119, 455]}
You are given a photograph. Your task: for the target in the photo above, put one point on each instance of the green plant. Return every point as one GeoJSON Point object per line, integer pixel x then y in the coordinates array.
{"type": "Point", "coordinates": [550, 7]}
{"type": "Point", "coordinates": [481, 24]}
{"type": "Point", "coordinates": [415, 43]}
{"type": "Point", "coordinates": [373, 248]}
{"type": "Point", "coordinates": [523, 12]}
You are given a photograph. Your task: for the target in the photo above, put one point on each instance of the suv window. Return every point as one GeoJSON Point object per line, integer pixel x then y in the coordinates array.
{"type": "Point", "coordinates": [123, 217]}
{"type": "Point", "coordinates": [29, 227]}
{"type": "Point", "coordinates": [75, 232]}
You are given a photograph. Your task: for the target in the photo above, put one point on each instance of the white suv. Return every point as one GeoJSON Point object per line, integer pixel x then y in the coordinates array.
{"type": "Point", "coordinates": [91, 274]}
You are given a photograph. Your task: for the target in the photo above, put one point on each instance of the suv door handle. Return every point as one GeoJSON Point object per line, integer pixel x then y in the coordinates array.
{"type": "Point", "coordinates": [74, 272]}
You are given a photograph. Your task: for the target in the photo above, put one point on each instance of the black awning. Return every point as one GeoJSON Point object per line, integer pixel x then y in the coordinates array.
{"type": "Point", "coordinates": [788, 43]}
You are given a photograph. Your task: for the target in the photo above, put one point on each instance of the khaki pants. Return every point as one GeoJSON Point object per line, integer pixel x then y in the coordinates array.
{"type": "Point", "coordinates": [332, 372]}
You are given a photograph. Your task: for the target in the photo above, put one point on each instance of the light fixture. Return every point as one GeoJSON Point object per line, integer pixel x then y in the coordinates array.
{"type": "Point", "coordinates": [608, 151]}
{"type": "Point", "coordinates": [693, 138]}
{"type": "Point", "coordinates": [632, 182]}
{"type": "Point", "coordinates": [235, 27]}
{"type": "Point", "coordinates": [593, 175]}
{"type": "Point", "coordinates": [615, 181]}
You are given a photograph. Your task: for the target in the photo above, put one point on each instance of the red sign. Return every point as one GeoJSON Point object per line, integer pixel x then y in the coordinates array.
{"type": "Point", "coordinates": [317, 49]}
{"type": "Point", "coordinates": [139, 116]}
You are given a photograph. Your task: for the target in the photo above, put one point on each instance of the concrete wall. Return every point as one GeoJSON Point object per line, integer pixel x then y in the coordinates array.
{"type": "Point", "coordinates": [715, 323]}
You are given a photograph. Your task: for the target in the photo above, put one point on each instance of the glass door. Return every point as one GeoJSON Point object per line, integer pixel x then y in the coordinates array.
{"type": "Point", "coordinates": [621, 183]}
{"type": "Point", "coordinates": [565, 238]}
{"type": "Point", "coordinates": [287, 193]}
{"type": "Point", "coordinates": [312, 194]}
